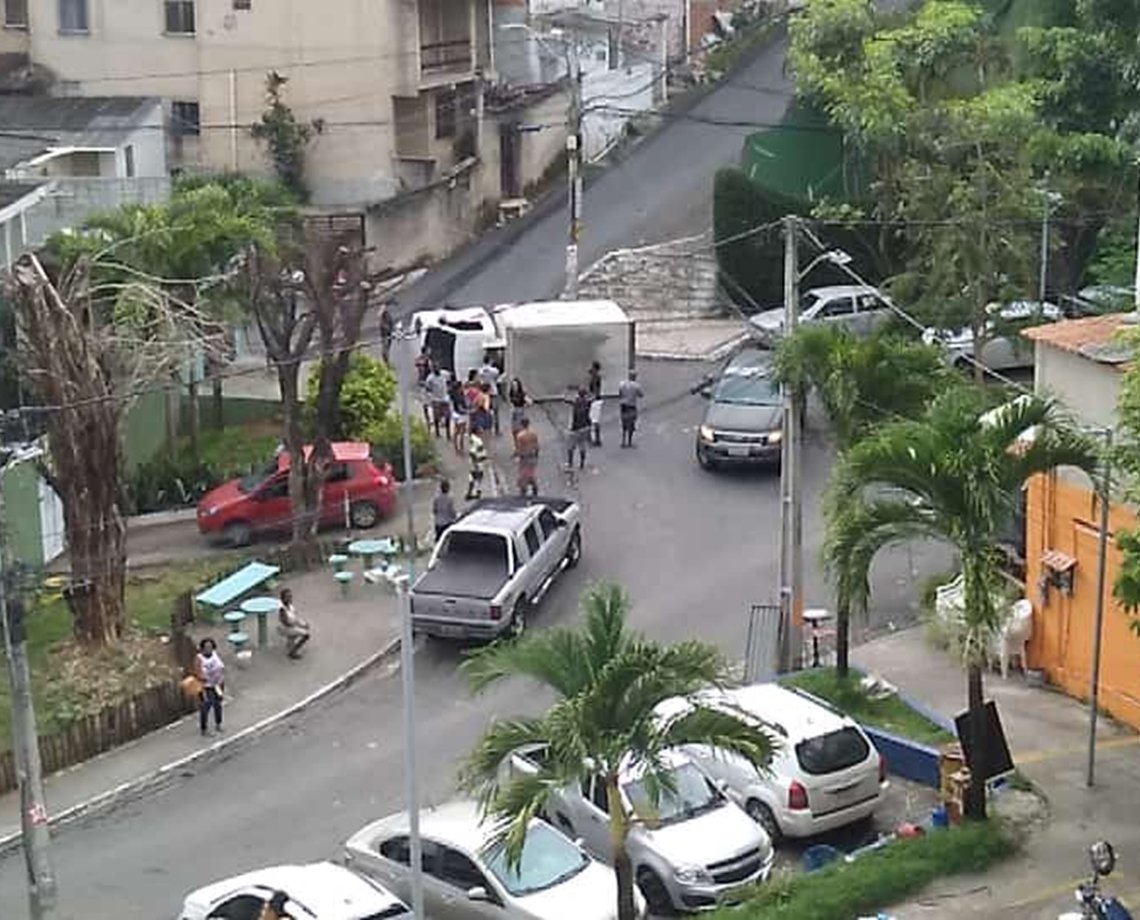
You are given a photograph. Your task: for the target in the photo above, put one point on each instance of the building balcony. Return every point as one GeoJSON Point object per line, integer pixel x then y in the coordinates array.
{"type": "Point", "coordinates": [449, 58]}
{"type": "Point", "coordinates": [454, 41]}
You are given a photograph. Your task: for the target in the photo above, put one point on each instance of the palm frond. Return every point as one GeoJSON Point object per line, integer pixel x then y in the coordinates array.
{"type": "Point", "coordinates": [516, 804]}
{"type": "Point", "coordinates": [724, 728]}
{"type": "Point", "coordinates": [605, 633]}
{"type": "Point", "coordinates": [557, 658]}
{"type": "Point", "coordinates": [483, 768]}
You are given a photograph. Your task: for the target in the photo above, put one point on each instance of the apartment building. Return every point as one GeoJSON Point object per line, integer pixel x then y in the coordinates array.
{"type": "Point", "coordinates": [395, 85]}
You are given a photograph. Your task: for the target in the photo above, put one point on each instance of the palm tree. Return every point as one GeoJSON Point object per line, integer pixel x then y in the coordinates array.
{"type": "Point", "coordinates": [607, 680]}
{"type": "Point", "coordinates": [951, 475]}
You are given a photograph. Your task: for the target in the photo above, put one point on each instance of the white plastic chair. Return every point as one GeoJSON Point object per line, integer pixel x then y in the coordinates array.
{"type": "Point", "coordinates": [1014, 635]}
{"type": "Point", "coordinates": [950, 601]}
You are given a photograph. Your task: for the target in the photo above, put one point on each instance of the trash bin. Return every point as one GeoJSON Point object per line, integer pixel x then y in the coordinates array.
{"type": "Point", "coordinates": [820, 855]}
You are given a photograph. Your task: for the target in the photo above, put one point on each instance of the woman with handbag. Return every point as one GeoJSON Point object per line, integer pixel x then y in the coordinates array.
{"type": "Point", "coordinates": [211, 671]}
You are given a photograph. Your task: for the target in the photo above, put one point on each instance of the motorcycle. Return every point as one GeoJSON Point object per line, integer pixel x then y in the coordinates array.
{"type": "Point", "coordinates": [1094, 904]}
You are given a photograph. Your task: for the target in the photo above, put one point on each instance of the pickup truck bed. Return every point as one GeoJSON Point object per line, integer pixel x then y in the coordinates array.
{"type": "Point", "coordinates": [463, 577]}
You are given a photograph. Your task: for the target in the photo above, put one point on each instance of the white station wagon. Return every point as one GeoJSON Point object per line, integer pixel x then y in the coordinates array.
{"type": "Point", "coordinates": [825, 774]}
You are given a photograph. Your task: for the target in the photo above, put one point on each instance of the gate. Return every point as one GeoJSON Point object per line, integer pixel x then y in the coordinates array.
{"type": "Point", "coordinates": [762, 644]}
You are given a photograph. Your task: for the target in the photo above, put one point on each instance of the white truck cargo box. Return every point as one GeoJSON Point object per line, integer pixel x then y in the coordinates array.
{"type": "Point", "coordinates": [550, 345]}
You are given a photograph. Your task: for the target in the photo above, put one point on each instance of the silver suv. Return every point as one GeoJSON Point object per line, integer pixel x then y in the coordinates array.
{"type": "Point", "coordinates": [693, 850]}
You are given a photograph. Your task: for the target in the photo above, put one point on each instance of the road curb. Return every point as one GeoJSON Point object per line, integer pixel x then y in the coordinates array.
{"type": "Point", "coordinates": [723, 350]}
{"type": "Point", "coordinates": [226, 747]}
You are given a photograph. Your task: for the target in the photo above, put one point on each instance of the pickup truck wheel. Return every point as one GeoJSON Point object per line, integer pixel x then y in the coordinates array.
{"type": "Point", "coordinates": [363, 515]}
{"type": "Point", "coordinates": [518, 618]}
{"type": "Point", "coordinates": [655, 893]}
{"type": "Point", "coordinates": [574, 550]}
{"type": "Point", "coordinates": [762, 815]}
{"type": "Point", "coordinates": [237, 534]}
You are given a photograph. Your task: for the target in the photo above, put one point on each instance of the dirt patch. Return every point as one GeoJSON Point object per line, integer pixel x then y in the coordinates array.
{"type": "Point", "coordinates": [81, 680]}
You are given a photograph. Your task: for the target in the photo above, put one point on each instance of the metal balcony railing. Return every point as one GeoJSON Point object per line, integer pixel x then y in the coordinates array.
{"type": "Point", "coordinates": [446, 57]}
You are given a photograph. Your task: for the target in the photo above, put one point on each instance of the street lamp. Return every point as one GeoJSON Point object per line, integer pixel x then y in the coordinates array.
{"type": "Point", "coordinates": [402, 582]}
{"type": "Point", "coordinates": [573, 148]}
{"type": "Point", "coordinates": [791, 561]}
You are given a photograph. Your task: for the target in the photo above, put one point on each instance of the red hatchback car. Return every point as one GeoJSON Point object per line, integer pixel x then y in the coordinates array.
{"type": "Point", "coordinates": [357, 492]}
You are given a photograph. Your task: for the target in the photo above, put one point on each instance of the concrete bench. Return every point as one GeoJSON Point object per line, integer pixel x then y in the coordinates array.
{"type": "Point", "coordinates": [241, 582]}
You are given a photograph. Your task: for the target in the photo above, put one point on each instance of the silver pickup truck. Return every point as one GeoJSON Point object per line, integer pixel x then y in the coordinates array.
{"type": "Point", "coordinates": [493, 565]}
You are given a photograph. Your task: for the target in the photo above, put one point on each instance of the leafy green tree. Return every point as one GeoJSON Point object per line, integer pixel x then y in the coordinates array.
{"type": "Point", "coordinates": [749, 260]}
{"type": "Point", "coordinates": [607, 680]}
{"type": "Point", "coordinates": [285, 136]}
{"type": "Point", "coordinates": [365, 397]}
{"type": "Point", "coordinates": [951, 476]}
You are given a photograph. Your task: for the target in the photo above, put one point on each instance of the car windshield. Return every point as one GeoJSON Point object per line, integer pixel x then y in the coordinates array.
{"type": "Point", "coordinates": [250, 483]}
{"type": "Point", "coordinates": [691, 795]}
{"type": "Point", "coordinates": [809, 301]}
{"type": "Point", "coordinates": [747, 387]}
{"type": "Point", "coordinates": [548, 859]}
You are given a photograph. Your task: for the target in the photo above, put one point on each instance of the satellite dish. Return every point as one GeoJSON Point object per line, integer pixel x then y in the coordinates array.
{"type": "Point", "coordinates": [1109, 353]}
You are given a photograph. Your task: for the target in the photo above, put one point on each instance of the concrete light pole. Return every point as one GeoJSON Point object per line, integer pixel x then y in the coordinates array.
{"type": "Point", "coordinates": [791, 513]}
{"type": "Point", "coordinates": [25, 741]}
{"type": "Point", "coordinates": [1104, 496]}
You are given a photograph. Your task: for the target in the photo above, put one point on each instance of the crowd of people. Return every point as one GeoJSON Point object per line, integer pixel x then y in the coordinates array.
{"type": "Point", "coordinates": [465, 413]}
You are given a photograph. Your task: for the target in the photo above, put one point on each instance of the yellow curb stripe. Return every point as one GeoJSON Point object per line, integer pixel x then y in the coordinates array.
{"type": "Point", "coordinates": [1032, 757]}
{"type": "Point", "coordinates": [1047, 894]}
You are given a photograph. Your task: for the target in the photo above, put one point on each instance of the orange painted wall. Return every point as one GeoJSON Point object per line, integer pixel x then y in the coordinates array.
{"type": "Point", "coordinates": [1065, 517]}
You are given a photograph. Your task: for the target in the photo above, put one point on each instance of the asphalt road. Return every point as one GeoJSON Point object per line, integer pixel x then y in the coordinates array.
{"type": "Point", "coordinates": [660, 190]}
{"type": "Point", "coordinates": [693, 548]}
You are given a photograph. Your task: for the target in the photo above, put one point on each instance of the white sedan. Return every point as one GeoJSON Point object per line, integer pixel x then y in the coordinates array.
{"type": "Point", "coordinates": [1004, 349]}
{"type": "Point", "coordinates": [466, 875]}
{"type": "Point", "coordinates": [319, 891]}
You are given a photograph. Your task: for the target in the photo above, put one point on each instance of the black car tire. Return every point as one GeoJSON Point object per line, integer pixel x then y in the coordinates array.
{"type": "Point", "coordinates": [363, 515]}
{"type": "Point", "coordinates": [655, 893]}
{"type": "Point", "coordinates": [574, 549]}
{"type": "Point", "coordinates": [237, 534]}
{"type": "Point", "coordinates": [762, 815]}
{"type": "Point", "coordinates": [518, 618]}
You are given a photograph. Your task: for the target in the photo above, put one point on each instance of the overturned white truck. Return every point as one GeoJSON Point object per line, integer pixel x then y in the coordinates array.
{"type": "Point", "coordinates": [548, 345]}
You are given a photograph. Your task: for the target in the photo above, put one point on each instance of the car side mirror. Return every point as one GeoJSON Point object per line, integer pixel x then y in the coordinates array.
{"type": "Point", "coordinates": [704, 387]}
{"type": "Point", "coordinates": [580, 843]}
{"type": "Point", "coordinates": [560, 523]}
{"type": "Point", "coordinates": [478, 893]}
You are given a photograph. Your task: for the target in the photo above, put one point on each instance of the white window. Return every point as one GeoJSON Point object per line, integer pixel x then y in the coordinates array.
{"type": "Point", "coordinates": [16, 14]}
{"type": "Point", "coordinates": [179, 17]}
{"type": "Point", "coordinates": [73, 16]}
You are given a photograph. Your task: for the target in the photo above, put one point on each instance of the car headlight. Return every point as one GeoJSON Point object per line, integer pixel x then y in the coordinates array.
{"type": "Point", "coordinates": [775, 437]}
{"type": "Point", "coordinates": [707, 434]}
{"type": "Point", "coordinates": [211, 511]}
{"type": "Point", "coordinates": [692, 875]}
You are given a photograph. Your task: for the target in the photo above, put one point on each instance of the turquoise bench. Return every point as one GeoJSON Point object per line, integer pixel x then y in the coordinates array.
{"type": "Point", "coordinates": [241, 582]}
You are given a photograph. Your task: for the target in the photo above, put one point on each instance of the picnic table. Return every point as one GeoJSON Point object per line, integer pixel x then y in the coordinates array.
{"type": "Point", "coordinates": [369, 549]}
{"type": "Point", "coordinates": [261, 607]}
{"type": "Point", "coordinates": [230, 588]}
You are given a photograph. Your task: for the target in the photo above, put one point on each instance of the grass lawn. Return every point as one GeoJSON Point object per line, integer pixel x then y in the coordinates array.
{"type": "Point", "coordinates": [69, 681]}
{"type": "Point", "coordinates": [890, 714]}
{"type": "Point", "coordinates": [875, 881]}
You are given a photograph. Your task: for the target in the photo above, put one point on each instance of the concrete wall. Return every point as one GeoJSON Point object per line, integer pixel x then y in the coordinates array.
{"type": "Point", "coordinates": [1065, 517]}
{"type": "Point", "coordinates": [72, 200]}
{"type": "Point", "coordinates": [22, 513]}
{"type": "Point", "coordinates": [1088, 389]}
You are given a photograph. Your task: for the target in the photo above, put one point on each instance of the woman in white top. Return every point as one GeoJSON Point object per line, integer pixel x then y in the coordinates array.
{"type": "Point", "coordinates": [295, 630]}
{"type": "Point", "coordinates": [211, 671]}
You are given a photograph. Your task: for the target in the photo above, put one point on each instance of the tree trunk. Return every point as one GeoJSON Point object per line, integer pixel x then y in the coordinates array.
{"type": "Point", "coordinates": [976, 794]}
{"type": "Point", "coordinates": [842, 638]}
{"type": "Point", "coordinates": [219, 401]}
{"type": "Point", "coordinates": [288, 373]}
{"type": "Point", "coordinates": [623, 866]}
{"type": "Point", "coordinates": [86, 460]}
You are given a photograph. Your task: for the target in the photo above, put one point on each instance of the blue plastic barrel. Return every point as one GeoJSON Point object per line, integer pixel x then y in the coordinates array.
{"type": "Point", "coordinates": [820, 855]}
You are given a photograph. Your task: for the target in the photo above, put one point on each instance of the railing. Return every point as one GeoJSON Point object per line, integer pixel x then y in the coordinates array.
{"type": "Point", "coordinates": [446, 57]}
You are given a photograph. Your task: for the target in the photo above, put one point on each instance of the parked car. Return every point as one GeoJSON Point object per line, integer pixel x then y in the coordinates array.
{"type": "Point", "coordinates": [493, 565]}
{"type": "Point", "coordinates": [857, 308]}
{"type": "Point", "coordinates": [825, 774]}
{"type": "Point", "coordinates": [318, 891]}
{"type": "Point", "coordinates": [1004, 349]}
{"type": "Point", "coordinates": [692, 850]}
{"type": "Point", "coordinates": [466, 874]}
{"type": "Point", "coordinates": [1098, 299]}
{"type": "Point", "coordinates": [744, 420]}
{"type": "Point", "coordinates": [357, 492]}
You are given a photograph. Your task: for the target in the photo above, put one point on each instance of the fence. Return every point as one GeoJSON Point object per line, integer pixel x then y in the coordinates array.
{"type": "Point", "coordinates": [114, 725]}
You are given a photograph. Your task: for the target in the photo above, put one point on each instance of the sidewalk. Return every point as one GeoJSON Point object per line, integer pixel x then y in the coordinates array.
{"type": "Point", "coordinates": [1048, 735]}
{"type": "Point", "coordinates": [350, 635]}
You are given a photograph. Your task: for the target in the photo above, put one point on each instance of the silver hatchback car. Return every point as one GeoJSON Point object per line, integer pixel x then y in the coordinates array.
{"type": "Point", "coordinates": [467, 876]}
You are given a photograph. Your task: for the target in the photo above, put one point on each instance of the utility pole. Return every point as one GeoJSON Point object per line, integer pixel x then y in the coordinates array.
{"type": "Point", "coordinates": [404, 339]}
{"type": "Point", "coordinates": [574, 170]}
{"type": "Point", "coordinates": [26, 749]}
{"type": "Point", "coordinates": [1043, 281]}
{"type": "Point", "coordinates": [791, 486]}
{"type": "Point", "coordinates": [1105, 497]}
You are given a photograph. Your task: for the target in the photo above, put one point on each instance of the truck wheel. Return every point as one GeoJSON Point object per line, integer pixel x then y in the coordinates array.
{"type": "Point", "coordinates": [518, 618]}
{"type": "Point", "coordinates": [574, 550]}
{"type": "Point", "coordinates": [237, 534]}
{"type": "Point", "coordinates": [363, 515]}
{"type": "Point", "coordinates": [655, 893]}
{"type": "Point", "coordinates": [762, 815]}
